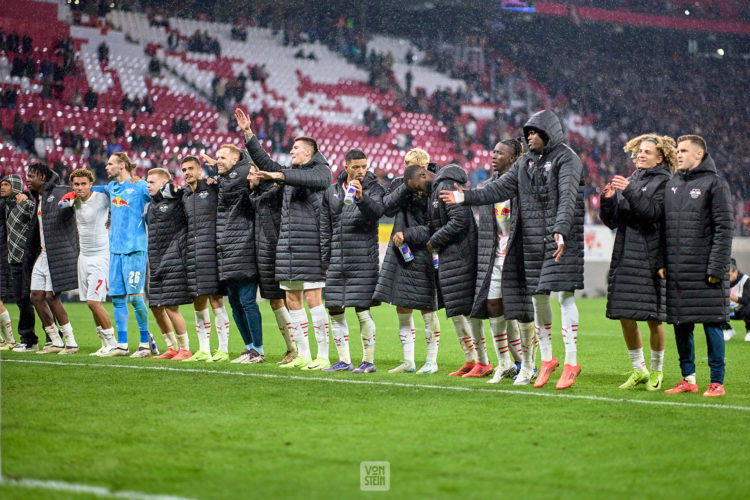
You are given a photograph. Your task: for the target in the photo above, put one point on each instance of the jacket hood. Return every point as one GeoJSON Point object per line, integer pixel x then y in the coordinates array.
{"type": "Point", "coordinates": [707, 166]}
{"type": "Point", "coordinates": [53, 181]}
{"type": "Point", "coordinates": [433, 167]}
{"type": "Point", "coordinates": [451, 173]}
{"type": "Point", "coordinates": [660, 169]}
{"type": "Point", "coordinates": [16, 183]}
{"type": "Point", "coordinates": [549, 123]}
{"type": "Point", "coordinates": [368, 180]}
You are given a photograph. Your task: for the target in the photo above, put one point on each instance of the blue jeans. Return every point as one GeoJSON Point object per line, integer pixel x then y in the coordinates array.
{"type": "Point", "coordinates": [245, 310]}
{"type": "Point", "coordinates": [683, 333]}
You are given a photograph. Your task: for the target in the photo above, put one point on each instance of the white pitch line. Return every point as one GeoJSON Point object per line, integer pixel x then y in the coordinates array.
{"type": "Point", "coordinates": [394, 384]}
{"type": "Point", "coordinates": [98, 491]}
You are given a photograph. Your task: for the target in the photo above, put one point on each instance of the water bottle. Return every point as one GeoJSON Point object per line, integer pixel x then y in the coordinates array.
{"type": "Point", "coordinates": [406, 252]}
{"type": "Point", "coordinates": [435, 259]}
{"type": "Point", "coordinates": [350, 192]}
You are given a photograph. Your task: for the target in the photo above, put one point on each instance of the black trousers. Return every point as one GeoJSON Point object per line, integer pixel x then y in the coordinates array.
{"type": "Point", "coordinates": [20, 277]}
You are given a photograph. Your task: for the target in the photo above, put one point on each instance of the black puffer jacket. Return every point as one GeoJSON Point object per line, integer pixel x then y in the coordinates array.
{"type": "Point", "coordinates": [201, 263]}
{"type": "Point", "coordinates": [516, 301]}
{"type": "Point", "coordinates": [267, 198]}
{"type": "Point", "coordinates": [235, 234]}
{"type": "Point", "coordinates": [635, 290]}
{"type": "Point", "coordinates": [349, 242]}
{"type": "Point", "coordinates": [452, 232]}
{"type": "Point", "coordinates": [698, 229]}
{"type": "Point", "coordinates": [407, 284]}
{"type": "Point", "coordinates": [550, 193]}
{"type": "Point", "coordinates": [167, 232]}
{"type": "Point", "coordinates": [60, 235]}
{"type": "Point", "coordinates": [298, 249]}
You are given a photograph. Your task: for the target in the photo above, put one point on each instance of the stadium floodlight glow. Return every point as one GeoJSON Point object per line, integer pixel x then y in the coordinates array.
{"type": "Point", "coordinates": [687, 12]}
{"type": "Point", "coordinates": [720, 52]}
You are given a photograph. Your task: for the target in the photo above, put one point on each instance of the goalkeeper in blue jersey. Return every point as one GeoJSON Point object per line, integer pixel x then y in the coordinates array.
{"type": "Point", "coordinates": [128, 247]}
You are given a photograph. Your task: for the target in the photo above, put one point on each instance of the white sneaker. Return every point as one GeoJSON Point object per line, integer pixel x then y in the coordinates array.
{"type": "Point", "coordinates": [51, 349]}
{"type": "Point", "coordinates": [728, 334]}
{"type": "Point", "coordinates": [98, 352]}
{"type": "Point", "coordinates": [524, 377]}
{"type": "Point", "coordinates": [104, 350]}
{"type": "Point", "coordinates": [25, 348]}
{"type": "Point", "coordinates": [404, 367]}
{"type": "Point", "coordinates": [503, 372]}
{"type": "Point", "coordinates": [747, 337]}
{"type": "Point", "coordinates": [428, 368]}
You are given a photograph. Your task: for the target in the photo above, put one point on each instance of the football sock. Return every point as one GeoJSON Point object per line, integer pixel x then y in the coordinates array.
{"type": "Point", "coordinates": [283, 320]}
{"type": "Point", "coordinates": [184, 341]}
{"type": "Point", "coordinates": [636, 358]}
{"type": "Point", "coordinates": [298, 331]}
{"type": "Point", "coordinates": [431, 334]}
{"type": "Point", "coordinates": [320, 326]}
{"type": "Point", "coordinates": [53, 335]}
{"type": "Point", "coordinates": [477, 333]}
{"type": "Point", "coordinates": [221, 318]}
{"type": "Point", "coordinates": [569, 319]}
{"type": "Point", "coordinates": [498, 327]}
{"type": "Point", "coordinates": [200, 329]}
{"type": "Point", "coordinates": [406, 335]}
{"type": "Point", "coordinates": [543, 324]}
{"type": "Point", "coordinates": [528, 343]}
{"type": "Point", "coordinates": [141, 316]}
{"type": "Point", "coordinates": [340, 332]}
{"type": "Point", "coordinates": [657, 360]}
{"type": "Point", "coordinates": [67, 331]}
{"type": "Point", "coordinates": [464, 338]}
{"type": "Point", "coordinates": [170, 340]}
{"type": "Point", "coordinates": [514, 339]}
{"type": "Point", "coordinates": [121, 319]}
{"type": "Point", "coordinates": [367, 333]}
{"type": "Point", "coordinates": [109, 337]}
{"type": "Point", "coordinates": [7, 326]}
{"type": "Point", "coordinates": [690, 379]}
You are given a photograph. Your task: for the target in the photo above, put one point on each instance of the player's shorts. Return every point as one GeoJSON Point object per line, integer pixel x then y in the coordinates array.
{"type": "Point", "coordinates": [93, 277]}
{"type": "Point", "coordinates": [41, 279]}
{"type": "Point", "coordinates": [496, 281]}
{"type": "Point", "coordinates": [301, 285]}
{"type": "Point", "coordinates": [127, 273]}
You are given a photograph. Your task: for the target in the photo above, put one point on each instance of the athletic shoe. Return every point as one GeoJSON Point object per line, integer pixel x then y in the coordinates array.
{"type": "Point", "coordinates": [715, 389]}
{"type": "Point", "coordinates": [218, 357]}
{"type": "Point", "coordinates": [341, 366]}
{"type": "Point", "coordinates": [682, 386]}
{"type": "Point", "coordinates": [152, 345]}
{"type": "Point", "coordinates": [568, 377]}
{"type": "Point", "coordinates": [365, 367]}
{"type": "Point", "coordinates": [8, 346]}
{"type": "Point", "coordinates": [747, 337]}
{"type": "Point", "coordinates": [317, 364]}
{"type": "Point", "coordinates": [524, 377]}
{"type": "Point", "coordinates": [637, 377]}
{"type": "Point", "coordinates": [547, 368]}
{"type": "Point", "coordinates": [106, 349]}
{"type": "Point", "coordinates": [116, 351]}
{"type": "Point", "coordinates": [98, 352]}
{"type": "Point", "coordinates": [260, 358]}
{"type": "Point", "coordinates": [168, 354]}
{"type": "Point", "coordinates": [25, 347]}
{"type": "Point", "coordinates": [463, 370]}
{"type": "Point", "coordinates": [428, 368]}
{"type": "Point", "coordinates": [51, 348]}
{"type": "Point", "coordinates": [70, 350]}
{"type": "Point", "coordinates": [404, 367]}
{"type": "Point", "coordinates": [288, 356]}
{"type": "Point", "coordinates": [728, 334]}
{"type": "Point", "coordinates": [479, 370]}
{"type": "Point", "coordinates": [533, 375]}
{"type": "Point", "coordinates": [198, 356]}
{"type": "Point", "coordinates": [298, 362]}
{"type": "Point", "coordinates": [142, 352]}
{"type": "Point", "coordinates": [243, 357]}
{"type": "Point", "coordinates": [654, 381]}
{"type": "Point", "coordinates": [182, 355]}
{"type": "Point", "coordinates": [503, 372]}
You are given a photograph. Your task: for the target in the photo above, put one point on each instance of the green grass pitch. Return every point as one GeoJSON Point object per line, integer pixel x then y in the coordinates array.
{"type": "Point", "coordinates": [242, 431]}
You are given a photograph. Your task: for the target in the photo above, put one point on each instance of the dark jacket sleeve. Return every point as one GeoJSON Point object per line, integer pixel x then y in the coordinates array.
{"type": "Point", "coordinates": [417, 235]}
{"type": "Point", "coordinates": [609, 211]}
{"type": "Point", "coordinates": [722, 218]}
{"type": "Point", "coordinates": [497, 190]}
{"type": "Point", "coordinates": [371, 203]}
{"type": "Point", "coordinates": [459, 219]}
{"type": "Point", "coordinates": [26, 210]}
{"type": "Point", "coordinates": [395, 198]}
{"type": "Point", "coordinates": [325, 232]}
{"type": "Point", "coordinates": [260, 157]}
{"type": "Point", "coordinates": [568, 182]}
{"type": "Point", "coordinates": [646, 207]}
{"type": "Point", "coordinates": [744, 301]}
{"type": "Point", "coordinates": [318, 177]}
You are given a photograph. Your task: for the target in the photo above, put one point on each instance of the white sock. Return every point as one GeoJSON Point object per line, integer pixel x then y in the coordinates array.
{"type": "Point", "coordinates": [184, 341]}
{"type": "Point", "coordinates": [109, 337]}
{"type": "Point", "coordinates": [406, 335]}
{"type": "Point", "coordinates": [432, 335]}
{"type": "Point", "coordinates": [498, 328]}
{"type": "Point", "coordinates": [283, 320]}
{"type": "Point", "coordinates": [298, 331]}
{"type": "Point", "coordinates": [529, 345]}
{"type": "Point", "coordinates": [569, 319]}
{"type": "Point", "coordinates": [200, 329]}
{"type": "Point", "coordinates": [543, 324]}
{"type": "Point", "coordinates": [7, 326]}
{"type": "Point", "coordinates": [170, 339]}
{"type": "Point", "coordinates": [636, 359]}
{"type": "Point", "coordinates": [54, 336]}
{"type": "Point", "coordinates": [514, 339]}
{"type": "Point", "coordinates": [463, 332]}
{"type": "Point", "coordinates": [100, 334]}
{"type": "Point", "coordinates": [340, 332]}
{"type": "Point", "coordinates": [657, 360]}
{"type": "Point", "coordinates": [690, 379]}
{"type": "Point", "coordinates": [367, 333]}
{"type": "Point", "coordinates": [477, 333]}
{"type": "Point", "coordinates": [320, 326]}
{"type": "Point", "coordinates": [221, 318]}
{"type": "Point", "coordinates": [67, 331]}
{"type": "Point", "coordinates": [205, 317]}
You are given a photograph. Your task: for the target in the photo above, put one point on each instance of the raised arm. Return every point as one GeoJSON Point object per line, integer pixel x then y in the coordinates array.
{"type": "Point", "coordinates": [260, 157]}
{"type": "Point", "coordinates": [371, 203]}
{"type": "Point", "coordinates": [647, 207]}
{"type": "Point", "coordinates": [497, 190]}
{"type": "Point", "coordinates": [395, 198]}
{"type": "Point", "coordinates": [318, 177]}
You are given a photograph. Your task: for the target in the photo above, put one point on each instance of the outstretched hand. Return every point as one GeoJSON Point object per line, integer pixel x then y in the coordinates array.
{"type": "Point", "coordinates": [448, 197]}
{"type": "Point", "coordinates": [608, 191]}
{"type": "Point", "coordinates": [620, 182]}
{"type": "Point", "coordinates": [209, 161]}
{"type": "Point", "coordinates": [242, 120]}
